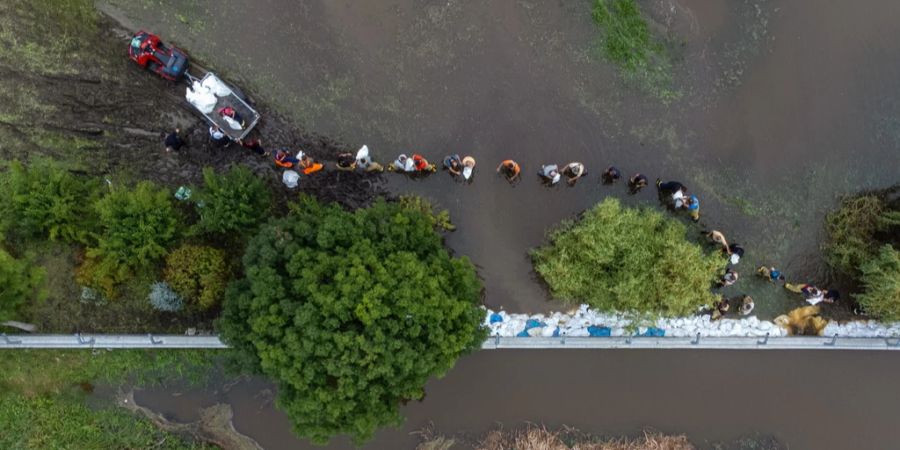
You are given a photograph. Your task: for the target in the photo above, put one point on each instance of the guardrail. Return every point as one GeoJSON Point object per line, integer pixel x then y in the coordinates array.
{"type": "Point", "coordinates": [63, 341]}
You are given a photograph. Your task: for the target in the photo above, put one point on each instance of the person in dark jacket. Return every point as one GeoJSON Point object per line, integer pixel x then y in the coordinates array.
{"type": "Point", "coordinates": [173, 141]}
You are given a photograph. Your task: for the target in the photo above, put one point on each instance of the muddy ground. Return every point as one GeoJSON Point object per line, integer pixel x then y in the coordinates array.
{"type": "Point", "coordinates": [72, 96]}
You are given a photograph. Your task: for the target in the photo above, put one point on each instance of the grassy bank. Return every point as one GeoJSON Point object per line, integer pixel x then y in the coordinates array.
{"type": "Point", "coordinates": [44, 397]}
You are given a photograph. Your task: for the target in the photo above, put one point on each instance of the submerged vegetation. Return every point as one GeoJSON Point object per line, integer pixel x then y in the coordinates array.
{"type": "Point", "coordinates": [628, 42]}
{"type": "Point", "coordinates": [862, 242]}
{"type": "Point", "coordinates": [351, 313]}
{"type": "Point", "coordinates": [617, 258]}
{"type": "Point", "coordinates": [534, 437]}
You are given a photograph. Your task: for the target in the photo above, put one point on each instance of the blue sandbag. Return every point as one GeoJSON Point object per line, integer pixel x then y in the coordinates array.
{"type": "Point", "coordinates": [654, 332]}
{"type": "Point", "coordinates": [596, 331]}
{"type": "Point", "coordinates": [556, 332]}
{"type": "Point", "coordinates": [496, 317]}
{"type": "Point", "coordinates": [523, 333]}
{"type": "Point", "coordinates": [533, 323]}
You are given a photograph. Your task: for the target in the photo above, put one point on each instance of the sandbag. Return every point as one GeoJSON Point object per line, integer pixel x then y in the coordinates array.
{"type": "Point", "coordinates": [216, 86]}
{"type": "Point", "coordinates": [201, 97]}
{"type": "Point", "coordinates": [233, 124]}
{"type": "Point", "coordinates": [290, 178]}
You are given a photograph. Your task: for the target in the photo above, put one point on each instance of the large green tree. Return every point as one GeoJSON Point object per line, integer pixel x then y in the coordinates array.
{"type": "Point", "coordinates": [351, 313]}
{"type": "Point", "coordinates": [628, 259]}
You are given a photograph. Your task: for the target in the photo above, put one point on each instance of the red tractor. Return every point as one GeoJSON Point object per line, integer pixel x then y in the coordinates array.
{"type": "Point", "coordinates": [150, 53]}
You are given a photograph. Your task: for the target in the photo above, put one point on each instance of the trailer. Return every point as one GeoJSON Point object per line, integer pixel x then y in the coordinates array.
{"type": "Point", "coordinates": [223, 103]}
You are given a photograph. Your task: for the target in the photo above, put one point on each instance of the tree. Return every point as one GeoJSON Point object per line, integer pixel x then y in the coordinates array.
{"type": "Point", "coordinates": [19, 283]}
{"type": "Point", "coordinates": [351, 313]}
{"type": "Point", "coordinates": [137, 227]}
{"type": "Point", "coordinates": [199, 274]}
{"type": "Point", "coordinates": [51, 202]}
{"type": "Point", "coordinates": [235, 202]}
{"type": "Point", "coordinates": [851, 230]}
{"type": "Point", "coordinates": [880, 278]}
{"type": "Point", "coordinates": [627, 259]}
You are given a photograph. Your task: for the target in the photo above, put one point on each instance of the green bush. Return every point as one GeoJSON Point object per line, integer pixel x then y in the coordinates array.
{"type": "Point", "coordinates": [198, 274]}
{"type": "Point", "coordinates": [235, 202]}
{"type": "Point", "coordinates": [51, 202]}
{"type": "Point", "coordinates": [19, 283]}
{"type": "Point", "coordinates": [440, 220]}
{"type": "Point", "coordinates": [627, 259]}
{"type": "Point", "coordinates": [137, 226]}
{"type": "Point", "coordinates": [880, 279]}
{"type": "Point", "coordinates": [351, 313]}
{"type": "Point", "coordinates": [850, 232]}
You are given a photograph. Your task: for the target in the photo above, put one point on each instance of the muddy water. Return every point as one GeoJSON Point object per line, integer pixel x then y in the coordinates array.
{"type": "Point", "coordinates": [783, 107]}
{"type": "Point", "coordinates": [806, 400]}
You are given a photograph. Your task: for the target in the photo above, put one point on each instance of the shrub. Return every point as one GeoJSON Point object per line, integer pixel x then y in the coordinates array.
{"type": "Point", "coordinates": [235, 202]}
{"type": "Point", "coordinates": [351, 313]}
{"type": "Point", "coordinates": [880, 278]}
{"type": "Point", "coordinates": [163, 298]}
{"type": "Point", "coordinates": [136, 228]}
{"type": "Point", "coordinates": [19, 283]}
{"type": "Point", "coordinates": [440, 220]}
{"type": "Point", "coordinates": [51, 202]}
{"type": "Point", "coordinates": [627, 259]}
{"type": "Point", "coordinates": [850, 232]}
{"type": "Point", "coordinates": [199, 274]}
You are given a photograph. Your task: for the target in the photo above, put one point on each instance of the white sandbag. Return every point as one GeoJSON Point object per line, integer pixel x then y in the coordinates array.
{"type": "Point", "coordinates": [232, 123]}
{"type": "Point", "coordinates": [201, 98]}
{"type": "Point", "coordinates": [290, 178]}
{"type": "Point", "coordinates": [216, 86]}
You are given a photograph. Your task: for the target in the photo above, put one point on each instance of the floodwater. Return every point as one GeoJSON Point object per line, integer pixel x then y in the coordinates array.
{"type": "Point", "coordinates": [805, 400]}
{"type": "Point", "coordinates": [783, 107]}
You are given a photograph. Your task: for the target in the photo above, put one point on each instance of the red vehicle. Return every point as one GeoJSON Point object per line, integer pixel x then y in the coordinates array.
{"type": "Point", "coordinates": [149, 52]}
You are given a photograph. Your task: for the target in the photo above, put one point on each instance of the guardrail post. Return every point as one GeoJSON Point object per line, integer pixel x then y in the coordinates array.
{"type": "Point", "coordinates": [497, 342]}
{"type": "Point", "coordinates": [82, 341]}
{"type": "Point", "coordinates": [11, 341]}
{"type": "Point", "coordinates": [153, 340]}
{"type": "Point", "coordinates": [764, 341]}
{"type": "Point", "coordinates": [696, 340]}
{"type": "Point", "coordinates": [628, 340]}
{"type": "Point", "coordinates": [833, 341]}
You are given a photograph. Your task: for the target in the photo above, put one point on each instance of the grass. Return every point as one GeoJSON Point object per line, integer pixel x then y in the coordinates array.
{"type": "Point", "coordinates": [628, 42]}
{"type": "Point", "coordinates": [536, 437]}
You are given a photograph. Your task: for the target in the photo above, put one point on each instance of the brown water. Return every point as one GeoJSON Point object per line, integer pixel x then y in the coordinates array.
{"type": "Point", "coordinates": [806, 400]}
{"type": "Point", "coordinates": [784, 107]}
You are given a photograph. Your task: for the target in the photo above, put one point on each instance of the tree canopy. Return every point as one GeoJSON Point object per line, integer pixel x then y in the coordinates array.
{"type": "Point", "coordinates": [627, 259]}
{"type": "Point", "coordinates": [351, 313]}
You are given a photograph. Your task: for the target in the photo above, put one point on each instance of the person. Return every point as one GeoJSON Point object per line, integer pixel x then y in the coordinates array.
{"type": "Point", "coordinates": [770, 273]}
{"type": "Point", "coordinates": [692, 204]}
{"type": "Point", "coordinates": [403, 163]}
{"type": "Point", "coordinates": [550, 174]}
{"type": "Point", "coordinates": [173, 141]}
{"type": "Point", "coordinates": [453, 164]}
{"type": "Point", "coordinates": [832, 295]}
{"type": "Point", "coordinates": [284, 159]}
{"type": "Point", "coordinates": [254, 144]}
{"type": "Point", "coordinates": [637, 182]}
{"type": "Point", "coordinates": [719, 238]}
{"type": "Point", "coordinates": [747, 305]}
{"type": "Point", "coordinates": [735, 251]}
{"type": "Point", "coordinates": [468, 167]}
{"type": "Point", "coordinates": [810, 293]}
{"type": "Point", "coordinates": [421, 164]}
{"type": "Point", "coordinates": [730, 277]}
{"type": "Point", "coordinates": [510, 169]}
{"type": "Point", "coordinates": [574, 171]}
{"type": "Point", "coordinates": [229, 112]}
{"type": "Point", "coordinates": [671, 188]}
{"type": "Point", "coordinates": [346, 162]}
{"type": "Point", "coordinates": [720, 308]}
{"type": "Point", "coordinates": [307, 164]}
{"type": "Point", "coordinates": [218, 137]}
{"type": "Point", "coordinates": [365, 162]}
{"type": "Point", "coordinates": [611, 175]}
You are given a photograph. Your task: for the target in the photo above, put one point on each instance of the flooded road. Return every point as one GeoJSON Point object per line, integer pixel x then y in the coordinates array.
{"type": "Point", "coordinates": [806, 400]}
{"type": "Point", "coordinates": [783, 107]}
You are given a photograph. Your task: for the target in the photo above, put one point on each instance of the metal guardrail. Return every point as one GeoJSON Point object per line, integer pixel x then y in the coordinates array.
{"type": "Point", "coordinates": [109, 341]}
{"type": "Point", "coordinates": [63, 341]}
